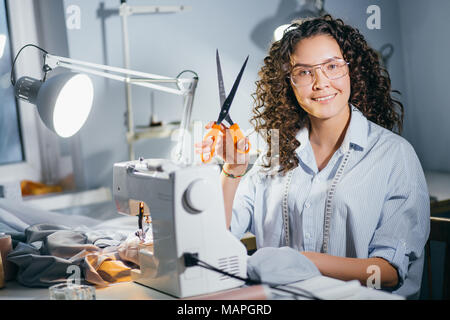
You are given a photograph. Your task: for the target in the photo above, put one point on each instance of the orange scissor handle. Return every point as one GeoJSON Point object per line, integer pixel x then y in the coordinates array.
{"type": "Point", "coordinates": [237, 135]}
{"type": "Point", "coordinates": [214, 133]}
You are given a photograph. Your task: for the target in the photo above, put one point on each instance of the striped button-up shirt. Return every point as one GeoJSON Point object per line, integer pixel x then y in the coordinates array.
{"type": "Point", "coordinates": [380, 206]}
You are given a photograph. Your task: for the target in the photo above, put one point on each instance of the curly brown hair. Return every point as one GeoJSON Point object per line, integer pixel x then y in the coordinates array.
{"type": "Point", "coordinates": [276, 106]}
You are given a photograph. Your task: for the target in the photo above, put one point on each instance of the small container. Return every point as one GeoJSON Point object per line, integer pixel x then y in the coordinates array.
{"type": "Point", "coordinates": [71, 291]}
{"type": "Point", "coordinates": [9, 268]}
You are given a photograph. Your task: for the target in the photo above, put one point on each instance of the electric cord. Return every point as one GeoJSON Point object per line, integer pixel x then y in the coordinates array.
{"type": "Point", "coordinates": [191, 259]}
{"type": "Point", "coordinates": [46, 68]}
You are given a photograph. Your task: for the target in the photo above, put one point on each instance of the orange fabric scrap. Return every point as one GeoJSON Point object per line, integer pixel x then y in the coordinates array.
{"type": "Point", "coordinates": [30, 188]}
{"type": "Point", "coordinates": [104, 269]}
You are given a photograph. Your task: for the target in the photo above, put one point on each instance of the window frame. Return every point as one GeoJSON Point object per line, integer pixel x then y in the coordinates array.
{"type": "Point", "coordinates": [40, 146]}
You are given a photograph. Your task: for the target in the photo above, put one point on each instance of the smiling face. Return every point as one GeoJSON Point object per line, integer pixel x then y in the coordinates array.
{"type": "Point", "coordinates": [324, 98]}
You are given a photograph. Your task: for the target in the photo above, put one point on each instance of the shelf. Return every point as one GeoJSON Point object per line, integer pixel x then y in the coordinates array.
{"type": "Point", "coordinates": [163, 131]}
{"type": "Point", "coordinates": [55, 201]}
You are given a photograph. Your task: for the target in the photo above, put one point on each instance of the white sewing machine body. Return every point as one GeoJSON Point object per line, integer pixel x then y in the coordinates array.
{"type": "Point", "coordinates": [187, 213]}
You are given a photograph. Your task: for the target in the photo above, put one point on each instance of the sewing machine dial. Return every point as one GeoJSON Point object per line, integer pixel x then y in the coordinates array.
{"type": "Point", "coordinates": [197, 195]}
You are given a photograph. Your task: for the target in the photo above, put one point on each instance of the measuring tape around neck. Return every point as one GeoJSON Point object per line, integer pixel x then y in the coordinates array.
{"type": "Point", "coordinates": [328, 204]}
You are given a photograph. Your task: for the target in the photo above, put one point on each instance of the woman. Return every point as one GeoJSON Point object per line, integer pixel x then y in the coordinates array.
{"type": "Point", "coordinates": [348, 192]}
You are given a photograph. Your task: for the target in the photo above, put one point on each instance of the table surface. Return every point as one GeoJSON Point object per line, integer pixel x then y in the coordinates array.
{"type": "Point", "coordinates": [119, 291]}
{"type": "Point", "coordinates": [325, 287]}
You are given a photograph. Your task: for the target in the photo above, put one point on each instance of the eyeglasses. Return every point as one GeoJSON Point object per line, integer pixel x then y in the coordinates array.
{"type": "Point", "coordinates": [302, 76]}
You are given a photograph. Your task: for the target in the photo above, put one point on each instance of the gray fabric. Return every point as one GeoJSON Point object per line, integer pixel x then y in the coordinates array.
{"type": "Point", "coordinates": [280, 266]}
{"type": "Point", "coordinates": [106, 238]}
{"type": "Point", "coordinates": [40, 231]}
{"type": "Point", "coordinates": [16, 236]}
{"type": "Point", "coordinates": [66, 244]}
{"type": "Point", "coordinates": [24, 215]}
{"type": "Point", "coordinates": [36, 270]}
{"type": "Point", "coordinates": [15, 217]}
{"type": "Point", "coordinates": [46, 243]}
{"type": "Point", "coordinates": [11, 220]}
{"type": "Point", "coordinates": [49, 251]}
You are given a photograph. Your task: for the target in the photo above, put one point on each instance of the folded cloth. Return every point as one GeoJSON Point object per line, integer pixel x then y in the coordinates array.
{"type": "Point", "coordinates": [129, 249]}
{"type": "Point", "coordinates": [48, 245]}
{"type": "Point", "coordinates": [104, 268]}
{"type": "Point", "coordinates": [40, 231]}
{"type": "Point", "coordinates": [36, 270]}
{"type": "Point", "coordinates": [51, 249]}
{"type": "Point", "coordinates": [280, 266]}
{"type": "Point", "coordinates": [20, 215]}
{"type": "Point", "coordinates": [16, 236]}
{"type": "Point", "coordinates": [10, 221]}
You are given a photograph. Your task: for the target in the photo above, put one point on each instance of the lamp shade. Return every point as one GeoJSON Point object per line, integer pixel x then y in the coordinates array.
{"type": "Point", "coordinates": [279, 32]}
{"type": "Point", "coordinates": [64, 101]}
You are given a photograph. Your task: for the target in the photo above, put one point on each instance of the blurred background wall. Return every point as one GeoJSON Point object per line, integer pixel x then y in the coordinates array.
{"type": "Point", "coordinates": [166, 44]}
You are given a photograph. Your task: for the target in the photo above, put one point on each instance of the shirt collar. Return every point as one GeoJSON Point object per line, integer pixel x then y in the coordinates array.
{"type": "Point", "coordinates": [355, 137]}
{"type": "Point", "coordinates": [357, 131]}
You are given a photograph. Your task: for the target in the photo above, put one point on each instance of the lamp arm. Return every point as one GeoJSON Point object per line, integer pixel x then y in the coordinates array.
{"type": "Point", "coordinates": [143, 79]}
{"type": "Point", "coordinates": [186, 89]}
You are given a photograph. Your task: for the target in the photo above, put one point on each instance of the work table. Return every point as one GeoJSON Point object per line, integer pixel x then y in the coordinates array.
{"type": "Point", "coordinates": [322, 286]}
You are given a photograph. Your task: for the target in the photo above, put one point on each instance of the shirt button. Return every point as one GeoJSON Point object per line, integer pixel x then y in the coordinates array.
{"type": "Point", "coordinates": [307, 235]}
{"type": "Point", "coordinates": [307, 204]}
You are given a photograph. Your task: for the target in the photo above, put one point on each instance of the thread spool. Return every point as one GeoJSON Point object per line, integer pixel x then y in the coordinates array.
{"type": "Point", "coordinates": [2, 275]}
{"type": "Point", "coordinates": [8, 268]}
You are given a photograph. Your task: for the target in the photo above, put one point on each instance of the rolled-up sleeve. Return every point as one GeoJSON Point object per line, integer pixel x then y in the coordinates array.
{"type": "Point", "coordinates": [404, 224]}
{"type": "Point", "coordinates": [243, 206]}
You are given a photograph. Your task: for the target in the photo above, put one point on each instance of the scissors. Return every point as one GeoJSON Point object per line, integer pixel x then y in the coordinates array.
{"type": "Point", "coordinates": [225, 102]}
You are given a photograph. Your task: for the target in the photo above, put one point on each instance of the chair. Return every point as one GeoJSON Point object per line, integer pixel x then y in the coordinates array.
{"type": "Point", "coordinates": [440, 231]}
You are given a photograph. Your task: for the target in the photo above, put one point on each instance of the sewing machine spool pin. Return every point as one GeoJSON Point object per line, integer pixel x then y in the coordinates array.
{"type": "Point", "coordinates": [140, 233]}
{"type": "Point", "coordinates": [142, 217]}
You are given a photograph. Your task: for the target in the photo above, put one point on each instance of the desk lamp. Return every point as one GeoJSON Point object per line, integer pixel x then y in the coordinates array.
{"type": "Point", "coordinates": [64, 101]}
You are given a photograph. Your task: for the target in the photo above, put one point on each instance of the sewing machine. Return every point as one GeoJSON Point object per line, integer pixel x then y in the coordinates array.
{"type": "Point", "coordinates": [186, 208]}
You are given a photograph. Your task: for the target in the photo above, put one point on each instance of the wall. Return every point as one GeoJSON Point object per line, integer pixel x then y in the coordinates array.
{"type": "Point", "coordinates": [424, 31]}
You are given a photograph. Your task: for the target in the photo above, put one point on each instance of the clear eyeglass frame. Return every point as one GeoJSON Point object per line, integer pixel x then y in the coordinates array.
{"type": "Point", "coordinates": [321, 66]}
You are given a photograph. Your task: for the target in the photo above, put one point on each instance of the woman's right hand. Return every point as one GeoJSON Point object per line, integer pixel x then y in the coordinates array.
{"type": "Point", "coordinates": [236, 162]}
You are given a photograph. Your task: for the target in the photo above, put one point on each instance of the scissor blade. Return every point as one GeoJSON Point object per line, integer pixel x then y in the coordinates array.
{"type": "Point", "coordinates": [227, 104]}
{"type": "Point", "coordinates": [222, 94]}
